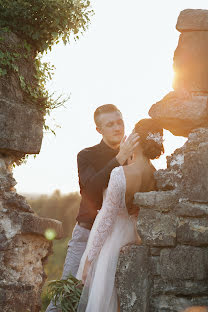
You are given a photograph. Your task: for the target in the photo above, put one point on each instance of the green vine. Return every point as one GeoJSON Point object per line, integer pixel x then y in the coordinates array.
{"type": "Point", "coordinates": [34, 27]}
{"type": "Point", "coordinates": [39, 24]}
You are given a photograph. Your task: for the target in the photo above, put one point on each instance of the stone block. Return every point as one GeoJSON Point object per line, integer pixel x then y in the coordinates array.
{"type": "Point", "coordinates": [191, 62]}
{"type": "Point", "coordinates": [191, 209]}
{"type": "Point", "coordinates": [179, 287]}
{"type": "Point", "coordinates": [14, 223]}
{"type": "Point", "coordinates": [155, 266]}
{"type": "Point", "coordinates": [133, 280]}
{"type": "Point", "coordinates": [168, 303]}
{"type": "Point", "coordinates": [184, 263]}
{"type": "Point", "coordinates": [7, 182]}
{"type": "Point", "coordinates": [161, 201]}
{"type": "Point", "coordinates": [195, 174]}
{"type": "Point", "coordinates": [155, 251]}
{"type": "Point", "coordinates": [30, 223]}
{"type": "Point", "coordinates": [197, 137]}
{"type": "Point", "coordinates": [16, 201]}
{"type": "Point", "coordinates": [167, 179]}
{"type": "Point", "coordinates": [14, 298]}
{"type": "Point", "coordinates": [156, 229]}
{"type": "Point", "coordinates": [20, 127]}
{"type": "Point", "coordinates": [4, 243]}
{"type": "Point", "coordinates": [192, 231]}
{"type": "Point", "coordinates": [192, 19]}
{"type": "Point", "coordinates": [24, 260]}
{"type": "Point", "coordinates": [180, 116]}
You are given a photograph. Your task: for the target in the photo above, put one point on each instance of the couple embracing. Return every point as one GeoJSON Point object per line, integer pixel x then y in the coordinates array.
{"type": "Point", "coordinates": [110, 173]}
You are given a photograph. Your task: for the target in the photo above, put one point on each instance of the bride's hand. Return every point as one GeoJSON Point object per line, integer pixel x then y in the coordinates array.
{"type": "Point", "coordinates": [85, 271]}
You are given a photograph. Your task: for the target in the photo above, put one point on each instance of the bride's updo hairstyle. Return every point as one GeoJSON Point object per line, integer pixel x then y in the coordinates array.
{"type": "Point", "coordinates": [151, 138]}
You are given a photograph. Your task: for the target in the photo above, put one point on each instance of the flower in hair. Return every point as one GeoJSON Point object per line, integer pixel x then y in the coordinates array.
{"type": "Point", "coordinates": [155, 137]}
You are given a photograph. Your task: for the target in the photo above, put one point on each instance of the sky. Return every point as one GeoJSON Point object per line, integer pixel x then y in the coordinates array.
{"type": "Point", "coordinates": [124, 58]}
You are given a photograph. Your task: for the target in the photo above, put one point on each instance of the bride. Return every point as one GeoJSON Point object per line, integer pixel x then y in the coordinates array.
{"type": "Point", "coordinates": [114, 227]}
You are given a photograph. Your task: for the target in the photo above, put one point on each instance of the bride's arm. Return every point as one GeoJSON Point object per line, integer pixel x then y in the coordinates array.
{"type": "Point", "coordinates": [110, 208]}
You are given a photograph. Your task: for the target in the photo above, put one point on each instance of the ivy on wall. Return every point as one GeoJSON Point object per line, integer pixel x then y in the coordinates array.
{"type": "Point", "coordinates": [45, 22]}
{"type": "Point", "coordinates": [39, 24]}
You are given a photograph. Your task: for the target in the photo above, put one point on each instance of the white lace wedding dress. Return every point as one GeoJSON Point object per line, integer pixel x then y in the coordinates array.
{"type": "Point", "coordinates": [113, 228]}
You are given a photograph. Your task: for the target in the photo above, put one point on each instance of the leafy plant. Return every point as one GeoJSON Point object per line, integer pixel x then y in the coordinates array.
{"type": "Point", "coordinates": [45, 22]}
{"type": "Point", "coordinates": [39, 24]}
{"type": "Point", "coordinates": [66, 293]}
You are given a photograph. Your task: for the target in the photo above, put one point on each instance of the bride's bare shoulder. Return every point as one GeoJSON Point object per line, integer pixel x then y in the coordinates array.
{"type": "Point", "coordinates": [133, 178]}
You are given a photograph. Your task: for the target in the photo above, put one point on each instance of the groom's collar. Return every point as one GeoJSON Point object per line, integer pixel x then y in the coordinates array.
{"type": "Point", "coordinates": [107, 148]}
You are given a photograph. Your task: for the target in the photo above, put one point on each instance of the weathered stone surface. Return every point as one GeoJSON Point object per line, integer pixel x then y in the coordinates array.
{"type": "Point", "coordinates": [176, 160]}
{"type": "Point", "coordinates": [155, 251]}
{"type": "Point", "coordinates": [184, 263]}
{"type": "Point", "coordinates": [191, 209]}
{"type": "Point", "coordinates": [192, 19]}
{"type": "Point", "coordinates": [195, 173]}
{"type": "Point", "coordinates": [14, 298]}
{"type": "Point", "coordinates": [187, 167]}
{"type": "Point", "coordinates": [20, 127]}
{"type": "Point", "coordinates": [171, 178]}
{"type": "Point", "coordinates": [179, 287]}
{"type": "Point", "coordinates": [161, 201]}
{"type": "Point", "coordinates": [133, 281]}
{"type": "Point", "coordinates": [3, 240]}
{"type": "Point", "coordinates": [23, 260]}
{"type": "Point", "coordinates": [156, 229]}
{"type": "Point", "coordinates": [167, 179]}
{"type": "Point", "coordinates": [168, 303]}
{"type": "Point", "coordinates": [7, 182]}
{"type": "Point", "coordinates": [23, 247]}
{"type": "Point", "coordinates": [192, 231]}
{"type": "Point", "coordinates": [191, 62]}
{"type": "Point", "coordinates": [181, 116]}
{"type": "Point", "coordinates": [155, 266]}
{"type": "Point", "coordinates": [31, 223]}
{"type": "Point", "coordinates": [10, 87]}
{"type": "Point", "coordinates": [16, 201]}
{"type": "Point", "coordinates": [196, 138]}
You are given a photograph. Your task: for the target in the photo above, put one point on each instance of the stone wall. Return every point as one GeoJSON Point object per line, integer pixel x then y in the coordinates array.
{"type": "Point", "coordinates": [169, 271]}
{"type": "Point", "coordinates": [23, 246]}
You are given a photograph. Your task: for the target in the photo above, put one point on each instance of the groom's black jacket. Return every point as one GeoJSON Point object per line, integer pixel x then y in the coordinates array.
{"type": "Point", "coordinates": [94, 168]}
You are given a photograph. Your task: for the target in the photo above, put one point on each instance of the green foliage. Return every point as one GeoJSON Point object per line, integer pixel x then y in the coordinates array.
{"type": "Point", "coordinates": [8, 60]}
{"type": "Point", "coordinates": [40, 24]}
{"type": "Point", "coordinates": [66, 293]}
{"type": "Point", "coordinates": [34, 89]}
{"type": "Point", "coordinates": [45, 22]}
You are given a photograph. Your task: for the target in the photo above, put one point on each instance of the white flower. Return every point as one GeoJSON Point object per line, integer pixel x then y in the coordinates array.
{"type": "Point", "coordinates": [155, 137]}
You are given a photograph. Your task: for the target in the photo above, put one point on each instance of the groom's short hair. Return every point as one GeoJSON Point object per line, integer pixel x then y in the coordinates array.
{"type": "Point", "coordinates": [103, 109]}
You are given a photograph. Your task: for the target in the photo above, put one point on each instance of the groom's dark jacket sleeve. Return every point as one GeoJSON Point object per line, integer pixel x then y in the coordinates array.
{"type": "Point", "coordinates": [94, 168]}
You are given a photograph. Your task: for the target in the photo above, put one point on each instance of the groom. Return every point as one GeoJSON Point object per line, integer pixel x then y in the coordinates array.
{"type": "Point", "coordinates": [94, 168]}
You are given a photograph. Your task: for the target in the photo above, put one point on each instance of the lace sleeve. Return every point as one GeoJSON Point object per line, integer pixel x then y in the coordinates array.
{"type": "Point", "coordinates": [111, 206]}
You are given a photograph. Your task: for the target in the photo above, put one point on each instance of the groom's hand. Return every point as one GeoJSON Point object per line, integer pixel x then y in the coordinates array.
{"type": "Point", "coordinates": [127, 147]}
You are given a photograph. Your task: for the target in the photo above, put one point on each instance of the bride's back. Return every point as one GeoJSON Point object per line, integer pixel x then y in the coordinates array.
{"type": "Point", "coordinates": [139, 179]}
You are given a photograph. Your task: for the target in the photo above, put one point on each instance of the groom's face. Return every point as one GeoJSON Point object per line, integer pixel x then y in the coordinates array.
{"type": "Point", "coordinates": [111, 126]}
